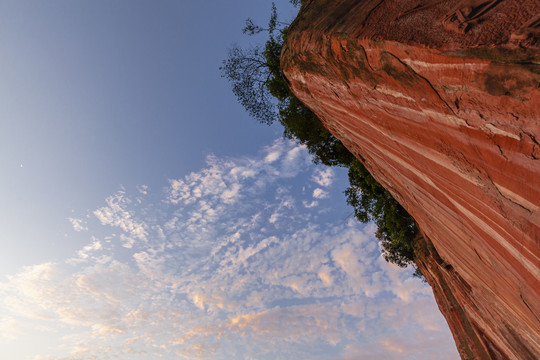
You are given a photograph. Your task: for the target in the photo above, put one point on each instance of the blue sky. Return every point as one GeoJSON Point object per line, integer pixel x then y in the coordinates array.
{"type": "Point", "coordinates": [145, 215]}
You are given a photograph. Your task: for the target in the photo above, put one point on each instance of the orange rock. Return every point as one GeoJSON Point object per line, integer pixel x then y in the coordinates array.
{"type": "Point", "coordinates": [449, 122]}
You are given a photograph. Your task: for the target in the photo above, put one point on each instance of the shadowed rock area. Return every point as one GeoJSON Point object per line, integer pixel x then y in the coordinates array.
{"type": "Point", "coordinates": [440, 101]}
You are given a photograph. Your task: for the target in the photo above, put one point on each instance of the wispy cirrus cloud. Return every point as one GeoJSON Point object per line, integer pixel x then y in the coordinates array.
{"type": "Point", "coordinates": [78, 224]}
{"type": "Point", "coordinates": [319, 193]}
{"type": "Point", "coordinates": [116, 213]}
{"type": "Point", "coordinates": [323, 176]}
{"type": "Point", "coordinates": [230, 263]}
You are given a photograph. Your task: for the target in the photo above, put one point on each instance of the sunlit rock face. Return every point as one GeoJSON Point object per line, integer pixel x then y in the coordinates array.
{"type": "Point", "coordinates": [441, 101]}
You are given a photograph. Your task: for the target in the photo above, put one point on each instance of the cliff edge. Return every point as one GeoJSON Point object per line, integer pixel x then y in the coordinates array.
{"type": "Point", "coordinates": [441, 102]}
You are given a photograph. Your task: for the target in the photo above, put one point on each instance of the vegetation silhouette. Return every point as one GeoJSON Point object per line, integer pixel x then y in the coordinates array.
{"type": "Point", "coordinates": [262, 89]}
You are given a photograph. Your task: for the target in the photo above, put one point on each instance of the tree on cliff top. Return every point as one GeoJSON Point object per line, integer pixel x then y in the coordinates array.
{"type": "Point", "coordinates": [262, 89]}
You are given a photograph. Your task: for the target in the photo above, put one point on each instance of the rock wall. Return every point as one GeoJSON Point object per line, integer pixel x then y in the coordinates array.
{"type": "Point", "coordinates": [441, 101]}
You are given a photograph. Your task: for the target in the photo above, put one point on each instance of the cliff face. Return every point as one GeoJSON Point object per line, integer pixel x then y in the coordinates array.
{"type": "Point", "coordinates": [441, 101]}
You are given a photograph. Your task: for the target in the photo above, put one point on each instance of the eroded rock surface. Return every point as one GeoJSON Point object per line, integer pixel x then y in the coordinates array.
{"type": "Point", "coordinates": [441, 101]}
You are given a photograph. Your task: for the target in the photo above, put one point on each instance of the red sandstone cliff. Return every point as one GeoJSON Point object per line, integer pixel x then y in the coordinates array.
{"type": "Point", "coordinates": [441, 101]}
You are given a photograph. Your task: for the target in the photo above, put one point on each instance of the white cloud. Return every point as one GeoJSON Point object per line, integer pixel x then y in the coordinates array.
{"type": "Point", "coordinates": [85, 252]}
{"type": "Point", "coordinates": [115, 214]}
{"type": "Point", "coordinates": [274, 152]}
{"type": "Point", "coordinates": [294, 161]}
{"type": "Point", "coordinates": [325, 274]}
{"type": "Point", "coordinates": [230, 195]}
{"type": "Point", "coordinates": [319, 193]}
{"type": "Point", "coordinates": [127, 241]}
{"type": "Point", "coordinates": [310, 204]}
{"type": "Point", "coordinates": [323, 177]}
{"type": "Point", "coordinates": [142, 189]}
{"type": "Point", "coordinates": [273, 156]}
{"type": "Point", "coordinates": [228, 266]}
{"type": "Point", "coordinates": [78, 224]}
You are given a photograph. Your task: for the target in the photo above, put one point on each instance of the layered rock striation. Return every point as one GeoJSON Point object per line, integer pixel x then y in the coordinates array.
{"type": "Point", "coordinates": [441, 102]}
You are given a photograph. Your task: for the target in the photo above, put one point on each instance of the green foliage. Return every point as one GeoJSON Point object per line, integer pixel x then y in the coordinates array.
{"type": "Point", "coordinates": [252, 29]}
{"type": "Point", "coordinates": [302, 124]}
{"type": "Point", "coordinates": [249, 74]}
{"type": "Point", "coordinates": [261, 88]}
{"type": "Point", "coordinates": [396, 229]}
{"type": "Point", "coordinates": [297, 2]}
